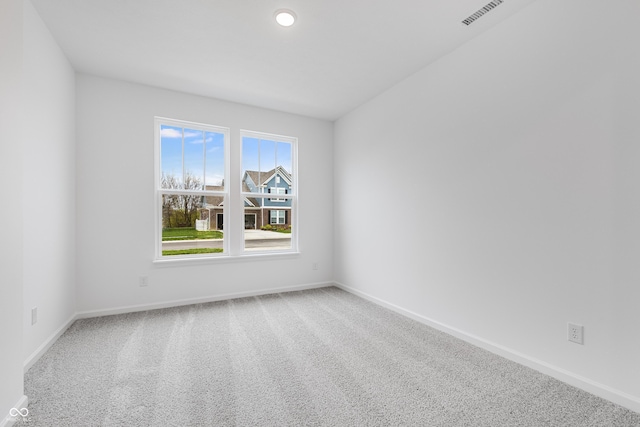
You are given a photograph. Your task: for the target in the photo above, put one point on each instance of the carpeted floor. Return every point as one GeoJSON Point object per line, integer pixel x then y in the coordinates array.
{"type": "Point", "coordinates": [321, 357]}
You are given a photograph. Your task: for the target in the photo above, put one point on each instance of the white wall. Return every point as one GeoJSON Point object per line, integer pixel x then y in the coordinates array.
{"type": "Point", "coordinates": [48, 184]}
{"type": "Point", "coordinates": [11, 55]}
{"type": "Point", "coordinates": [497, 192]}
{"type": "Point", "coordinates": [115, 194]}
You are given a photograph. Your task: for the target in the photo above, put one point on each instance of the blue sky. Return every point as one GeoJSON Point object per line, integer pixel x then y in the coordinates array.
{"type": "Point", "coordinates": [204, 154]}
{"type": "Point", "coordinates": [264, 155]}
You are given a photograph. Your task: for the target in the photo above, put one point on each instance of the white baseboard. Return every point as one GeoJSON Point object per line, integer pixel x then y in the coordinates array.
{"type": "Point", "coordinates": [212, 298]}
{"type": "Point", "coordinates": [616, 396]}
{"type": "Point", "coordinates": [10, 420]}
{"type": "Point", "coordinates": [33, 358]}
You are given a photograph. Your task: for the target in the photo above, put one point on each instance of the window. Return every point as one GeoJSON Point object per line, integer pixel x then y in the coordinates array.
{"type": "Point", "coordinates": [192, 194]}
{"type": "Point", "coordinates": [278, 190]}
{"type": "Point", "coordinates": [268, 168]}
{"type": "Point", "coordinates": [278, 217]}
{"type": "Point", "coordinates": [200, 213]}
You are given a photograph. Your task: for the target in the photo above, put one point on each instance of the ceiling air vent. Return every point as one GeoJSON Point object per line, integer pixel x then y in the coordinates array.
{"type": "Point", "coordinates": [482, 11]}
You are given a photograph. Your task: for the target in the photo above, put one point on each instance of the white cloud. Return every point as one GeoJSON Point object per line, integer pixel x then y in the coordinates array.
{"type": "Point", "coordinates": [170, 133]}
{"type": "Point", "coordinates": [176, 133]}
{"type": "Point", "coordinates": [194, 137]}
{"type": "Point", "coordinates": [214, 179]}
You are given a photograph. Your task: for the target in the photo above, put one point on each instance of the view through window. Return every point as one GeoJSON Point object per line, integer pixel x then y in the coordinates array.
{"type": "Point", "coordinates": [268, 169]}
{"type": "Point", "coordinates": [192, 188]}
{"type": "Point", "coordinates": [195, 196]}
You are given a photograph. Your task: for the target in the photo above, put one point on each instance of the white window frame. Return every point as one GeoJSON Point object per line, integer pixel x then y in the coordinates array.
{"type": "Point", "coordinates": [159, 191]}
{"type": "Point", "coordinates": [277, 216]}
{"type": "Point", "coordinates": [278, 191]}
{"type": "Point", "coordinates": [292, 194]}
{"type": "Point", "coordinates": [233, 198]}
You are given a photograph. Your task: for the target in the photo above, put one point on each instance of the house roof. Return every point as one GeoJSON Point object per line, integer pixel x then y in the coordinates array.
{"type": "Point", "coordinates": [265, 177]}
{"type": "Point", "coordinates": [255, 176]}
{"type": "Point", "coordinates": [210, 201]}
{"type": "Point", "coordinates": [214, 201]}
{"type": "Point", "coordinates": [251, 200]}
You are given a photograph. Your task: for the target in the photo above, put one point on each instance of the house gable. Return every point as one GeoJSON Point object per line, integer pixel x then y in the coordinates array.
{"type": "Point", "coordinates": [263, 182]}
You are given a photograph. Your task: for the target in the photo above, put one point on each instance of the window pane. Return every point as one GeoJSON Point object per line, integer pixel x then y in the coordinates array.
{"type": "Point", "coordinates": [266, 229]}
{"type": "Point", "coordinates": [193, 159]}
{"type": "Point", "coordinates": [251, 165]}
{"type": "Point", "coordinates": [214, 165]}
{"type": "Point", "coordinates": [283, 159]}
{"type": "Point", "coordinates": [267, 156]}
{"type": "Point", "coordinates": [266, 166]}
{"type": "Point", "coordinates": [171, 156]}
{"type": "Point", "coordinates": [267, 174]}
{"type": "Point", "coordinates": [277, 217]}
{"type": "Point", "coordinates": [189, 228]}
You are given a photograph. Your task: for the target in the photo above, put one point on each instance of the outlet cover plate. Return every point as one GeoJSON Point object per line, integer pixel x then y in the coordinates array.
{"type": "Point", "coordinates": [575, 333]}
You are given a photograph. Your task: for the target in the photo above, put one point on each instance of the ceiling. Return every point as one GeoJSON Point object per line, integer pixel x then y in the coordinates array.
{"type": "Point", "coordinates": [338, 55]}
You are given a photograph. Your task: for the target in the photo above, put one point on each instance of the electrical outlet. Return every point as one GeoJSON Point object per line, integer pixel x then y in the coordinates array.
{"type": "Point", "coordinates": [314, 266]}
{"type": "Point", "coordinates": [144, 281]}
{"type": "Point", "coordinates": [575, 333]}
{"type": "Point", "coordinates": [34, 316]}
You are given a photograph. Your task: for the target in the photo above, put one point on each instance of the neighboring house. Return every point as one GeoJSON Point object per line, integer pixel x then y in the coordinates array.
{"type": "Point", "coordinates": [212, 208]}
{"type": "Point", "coordinates": [258, 211]}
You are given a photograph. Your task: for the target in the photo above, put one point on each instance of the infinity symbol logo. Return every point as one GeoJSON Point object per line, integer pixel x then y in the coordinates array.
{"type": "Point", "coordinates": [14, 412]}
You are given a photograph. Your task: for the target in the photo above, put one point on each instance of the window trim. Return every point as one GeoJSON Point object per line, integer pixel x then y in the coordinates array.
{"type": "Point", "coordinates": [234, 240]}
{"type": "Point", "coordinates": [278, 216]}
{"type": "Point", "coordinates": [292, 194]}
{"type": "Point", "coordinates": [277, 193]}
{"type": "Point", "coordinates": [159, 191]}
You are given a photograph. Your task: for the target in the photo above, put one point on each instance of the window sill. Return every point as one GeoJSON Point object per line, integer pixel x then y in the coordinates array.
{"type": "Point", "coordinates": [258, 256]}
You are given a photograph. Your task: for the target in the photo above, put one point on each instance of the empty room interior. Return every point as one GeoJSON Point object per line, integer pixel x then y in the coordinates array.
{"type": "Point", "coordinates": [455, 238]}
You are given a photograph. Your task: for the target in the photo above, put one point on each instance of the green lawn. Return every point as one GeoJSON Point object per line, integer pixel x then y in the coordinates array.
{"type": "Point", "coordinates": [277, 229]}
{"type": "Point", "coordinates": [282, 230]}
{"type": "Point", "coordinates": [169, 234]}
{"type": "Point", "coordinates": [192, 251]}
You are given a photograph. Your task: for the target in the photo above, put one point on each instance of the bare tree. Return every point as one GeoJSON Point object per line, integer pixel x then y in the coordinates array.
{"type": "Point", "coordinates": [169, 201]}
{"type": "Point", "coordinates": [183, 208]}
{"type": "Point", "coordinates": [188, 205]}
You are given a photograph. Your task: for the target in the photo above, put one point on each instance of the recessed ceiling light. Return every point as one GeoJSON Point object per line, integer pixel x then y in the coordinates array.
{"type": "Point", "coordinates": [285, 17]}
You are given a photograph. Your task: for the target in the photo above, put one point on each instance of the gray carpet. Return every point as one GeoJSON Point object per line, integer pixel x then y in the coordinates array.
{"type": "Point", "coordinates": [321, 357]}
